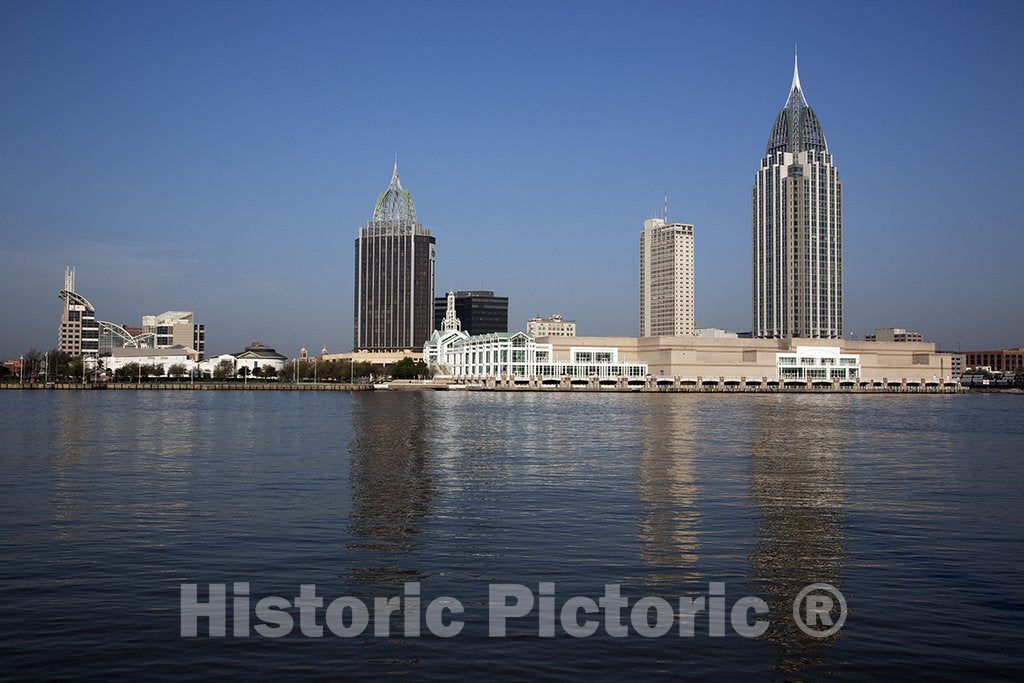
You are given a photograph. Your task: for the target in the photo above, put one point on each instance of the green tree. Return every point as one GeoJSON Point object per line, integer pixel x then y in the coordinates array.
{"type": "Point", "coordinates": [269, 371]}
{"type": "Point", "coordinates": [57, 364]}
{"type": "Point", "coordinates": [152, 370]}
{"type": "Point", "coordinates": [177, 370]}
{"type": "Point", "coordinates": [74, 369]}
{"type": "Point", "coordinates": [224, 369]}
{"type": "Point", "coordinates": [257, 371]}
{"type": "Point", "coordinates": [362, 371]}
{"type": "Point", "coordinates": [288, 371]}
{"type": "Point", "coordinates": [407, 368]}
{"type": "Point", "coordinates": [127, 373]}
{"type": "Point", "coordinates": [31, 363]}
{"type": "Point", "coordinates": [333, 370]}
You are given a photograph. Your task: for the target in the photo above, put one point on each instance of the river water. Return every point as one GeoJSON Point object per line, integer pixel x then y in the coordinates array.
{"type": "Point", "coordinates": [909, 506]}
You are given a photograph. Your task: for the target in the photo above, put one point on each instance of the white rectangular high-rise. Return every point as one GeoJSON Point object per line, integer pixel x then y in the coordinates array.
{"type": "Point", "coordinates": [666, 279]}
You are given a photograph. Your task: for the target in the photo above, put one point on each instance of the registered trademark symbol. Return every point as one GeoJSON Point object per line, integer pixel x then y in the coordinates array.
{"type": "Point", "coordinates": [813, 607]}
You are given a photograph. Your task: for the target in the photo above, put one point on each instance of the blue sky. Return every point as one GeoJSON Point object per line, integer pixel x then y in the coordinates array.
{"type": "Point", "coordinates": [220, 156]}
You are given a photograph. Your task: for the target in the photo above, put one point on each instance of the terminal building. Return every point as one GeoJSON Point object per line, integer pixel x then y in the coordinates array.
{"type": "Point", "coordinates": [774, 360]}
{"type": "Point", "coordinates": [453, 352]}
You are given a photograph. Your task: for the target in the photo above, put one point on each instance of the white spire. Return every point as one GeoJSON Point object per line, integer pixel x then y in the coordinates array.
{"type": "Point", "coordinates": [796, 73]}
{"type": "Point", "coordinates": [394, 174]}
{"type": "Point", "coordinates": [451, 322]}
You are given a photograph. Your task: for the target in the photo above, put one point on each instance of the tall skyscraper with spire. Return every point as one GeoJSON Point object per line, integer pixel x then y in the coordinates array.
{"type": "Point", "coordinates": [798, 229]}
{"type": "Point", "coordinates": [394, 289]}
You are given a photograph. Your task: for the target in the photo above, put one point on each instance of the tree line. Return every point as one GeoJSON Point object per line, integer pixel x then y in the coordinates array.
{"type": "Point", "coordinates": [60, 366]}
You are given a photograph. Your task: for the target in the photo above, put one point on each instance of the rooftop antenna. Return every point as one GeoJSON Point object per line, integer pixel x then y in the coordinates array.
{"type": "Point", "coordinates": [664, 212]}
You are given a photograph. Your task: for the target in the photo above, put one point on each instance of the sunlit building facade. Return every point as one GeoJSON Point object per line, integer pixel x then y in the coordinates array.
{"type": "Point", "coordinates": [453, 352]}
{"type": "Point", "coordinates": [79, 333]}
{"type": "Point", "coordinates": [797, 230]}
{"type": "Point", "coordinates": [666, 279]}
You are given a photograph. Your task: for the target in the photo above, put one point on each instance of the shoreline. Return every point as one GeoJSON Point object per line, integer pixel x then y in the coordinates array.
{"type": "Point", "coordinates": [652, 388]}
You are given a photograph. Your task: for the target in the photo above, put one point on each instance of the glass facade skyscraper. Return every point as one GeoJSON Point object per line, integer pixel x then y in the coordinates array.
{"type": "Point", "coordinates": [480, 312]}
{"type": "Point", "coordinates": [797, 229]}
{"type": "Point", "coordinates": [394, 288]}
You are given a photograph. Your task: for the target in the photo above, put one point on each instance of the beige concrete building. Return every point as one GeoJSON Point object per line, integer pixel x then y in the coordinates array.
{"type": "Point", "coordinates": [666, 279]}
{"type": "Point", "coordinates": [375, 357]}
{"type": "Point", "coordinates": [555, 326]}
{"type": "Point", "coordinates": [714, 333]}
{"type": "Point", "coordinates": [175, 328]}
{"type": "Point", "coordinates": [957, 363]}
{"type": "Point", "coordinates": [786, 359]}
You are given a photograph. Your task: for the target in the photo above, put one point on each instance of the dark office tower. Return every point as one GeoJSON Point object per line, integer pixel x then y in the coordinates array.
{"type": "Point", "coordinates": [479, 311]}
{"type": "Point", "coordinates": [798, 229]}
{"type": "Point", "coordinates": [394, 290]}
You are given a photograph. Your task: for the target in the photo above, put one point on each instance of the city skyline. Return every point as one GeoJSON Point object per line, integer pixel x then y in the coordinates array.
{"type": "Point", "coordinates": [248, 223]}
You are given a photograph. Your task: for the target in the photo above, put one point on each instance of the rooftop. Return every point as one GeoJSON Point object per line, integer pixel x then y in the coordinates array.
{"type": "Point", "coordinates": [796, 128]}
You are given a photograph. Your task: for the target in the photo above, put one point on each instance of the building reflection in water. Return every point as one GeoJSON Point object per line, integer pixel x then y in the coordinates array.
{"type": "Point", "coordinates": [392, 484]}
{"type": "Point", "coordinates": [797, 484]}
{"type": "Point", "coordinates": [668, 526]}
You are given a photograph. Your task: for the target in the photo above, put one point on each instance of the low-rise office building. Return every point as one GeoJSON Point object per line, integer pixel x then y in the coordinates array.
{"type": "Point", "coordinates": [165, 358]}
{"type": "Point", "coordinates": [555, 326]}
{"type": "Point", "coordinates": [714, 333]}
{"type": "Point", "coordinates": [256, 355]}
{"type": "Point", "coordinates": [175, 328]}
{"type": "Point", "coordinates": [1007, 360]}
{"type": "Point", "coordinates": [259, 355]}
{"type": "Point", "coordinates": [893, 335]}
{"type": "Point", "coordinates": [378, 358]}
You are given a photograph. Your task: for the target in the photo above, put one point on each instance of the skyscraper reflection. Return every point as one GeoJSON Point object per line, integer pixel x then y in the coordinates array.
{"type": "Point", "coordinates": [392, 483]}
{"type": "Point", "coordinates": [669, 521]}
{"type": "Point", "coordinates": [797, 483]}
